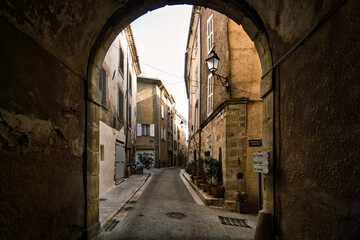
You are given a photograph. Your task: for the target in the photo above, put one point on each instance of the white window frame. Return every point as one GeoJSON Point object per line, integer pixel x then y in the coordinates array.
{"type": "Point", "coordinates": [162, 112]}
{"type": "Point", "coordinates": [144, 130]}
{"type": "Point", "coordinates": [210, 94]}
{"type": "Point", "coordinates": [210, 33]}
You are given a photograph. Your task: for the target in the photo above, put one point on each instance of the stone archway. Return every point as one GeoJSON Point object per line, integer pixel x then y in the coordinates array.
{"type": "Point", "coordinates": [241, 13]}
{"type": "Point", "coordinates": [49, 51]}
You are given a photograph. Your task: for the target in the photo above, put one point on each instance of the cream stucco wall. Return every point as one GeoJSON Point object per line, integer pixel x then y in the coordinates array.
{"type": "Point", "coordinates": [108, 139]}
{"type": "Point", "coordinates": [112, 127]}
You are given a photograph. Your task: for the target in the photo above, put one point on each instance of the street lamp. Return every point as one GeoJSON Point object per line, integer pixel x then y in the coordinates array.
{"type": "Point", "coordinates": [212, 64]}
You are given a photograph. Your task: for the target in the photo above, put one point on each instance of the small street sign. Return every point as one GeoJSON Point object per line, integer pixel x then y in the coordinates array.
{"type": "Point", "coordinates": [261, 169]}
{"type": "Point", "coordinates": [261, 162]}
{"type": "Point", "coordinates": [255, 143]}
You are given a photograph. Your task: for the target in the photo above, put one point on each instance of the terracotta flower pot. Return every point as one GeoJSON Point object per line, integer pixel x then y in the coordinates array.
{"type": "Point", "coordinates": [196, 177]}
{"type": "Point", "coordinates": [244, 207]}
{"type": "Point", "coordinates": [218, 191]}
{"type": "Point", "coordinates": [208, 188]}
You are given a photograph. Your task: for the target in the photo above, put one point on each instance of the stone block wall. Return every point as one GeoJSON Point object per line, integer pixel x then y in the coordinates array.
{"type": "Point", "coordinates": [235, 152]}
{"type": "Point", "coordinates": [42, 142]}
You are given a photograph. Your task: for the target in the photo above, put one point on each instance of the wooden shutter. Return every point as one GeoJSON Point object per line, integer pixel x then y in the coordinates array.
{"type": "Point", "coordinates": [152, 130]}
{"type": "Point", "coordinates": [138, 133]}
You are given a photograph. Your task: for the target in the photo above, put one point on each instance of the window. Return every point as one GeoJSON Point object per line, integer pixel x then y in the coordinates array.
{"type": "Point", "coordinates": [162, 112]}
{"type": "Point", "coordinates": [145, 130]}
{"type": "Point", "coordinates": [129, 78]}
{"type": "Point", "coordinates": [129, 116]}
{"type": "Point", "coordinates": [121, 104]}
{"type": "Point", "coordinates": [103, 85]}
{"type": "Point", "coordinates": [209, 143]}
{"type": "Point", "coordinates": [121, 61]}
{"type": "Point", "coordinates": [210, 91]}
{"type": "Point", "coordinates": [163, 132]}
{"type": "Point", "coordinates": [130, 82]}
{"type": "Point", "coordinates": [210, 34]}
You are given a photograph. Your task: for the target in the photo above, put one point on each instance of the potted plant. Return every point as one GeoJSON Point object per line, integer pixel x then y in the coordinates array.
{"type": "Point", "coordinates": [192, 170]}
{"type": "Point", "coordinates": [213, 169]}
{"type": "Point", "coordinates": [242, 202]}
{"type": "Point", "coordinates": [205, 182]}
{"type": "Point", "coordinates": [145, 160]}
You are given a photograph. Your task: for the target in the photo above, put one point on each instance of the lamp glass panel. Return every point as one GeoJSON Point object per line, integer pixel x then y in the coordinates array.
{"type": "Point", "coordinates": [210, 64]}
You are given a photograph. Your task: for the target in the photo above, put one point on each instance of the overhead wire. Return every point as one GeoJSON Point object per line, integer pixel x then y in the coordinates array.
{"type": "Point", "coordinates": [190, 80]}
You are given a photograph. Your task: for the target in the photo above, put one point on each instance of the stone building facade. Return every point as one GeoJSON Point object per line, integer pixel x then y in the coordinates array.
{"type": "Point", "coordinates": [155, 122]}
{"type": "Point", "coordinates": [179, 136]}
{"type": "Point", "coordinates": [117, 125]}
{"type": "Point", "coordinates": [223, 120]}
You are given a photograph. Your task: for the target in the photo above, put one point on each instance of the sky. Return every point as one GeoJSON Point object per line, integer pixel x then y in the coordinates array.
{"type": "Point", "coordinates": [160, 39]}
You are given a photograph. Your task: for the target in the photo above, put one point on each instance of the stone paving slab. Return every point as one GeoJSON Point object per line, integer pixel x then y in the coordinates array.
{"type": "Point", "coordinates": [115, 199]}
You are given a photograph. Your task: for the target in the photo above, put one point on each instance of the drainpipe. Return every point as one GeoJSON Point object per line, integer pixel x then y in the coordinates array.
{"type": "Point", "coordinates": [200, 88]}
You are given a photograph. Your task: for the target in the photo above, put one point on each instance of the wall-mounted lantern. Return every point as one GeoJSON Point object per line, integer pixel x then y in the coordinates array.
{"type": "Point", "coordinates": [212, 64]}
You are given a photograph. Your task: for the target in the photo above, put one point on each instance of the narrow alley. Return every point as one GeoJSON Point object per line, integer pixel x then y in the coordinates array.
{"type": "Point", "coordinates": [166, 210]}
{"type": "Point", "coordinates": [115, 114]}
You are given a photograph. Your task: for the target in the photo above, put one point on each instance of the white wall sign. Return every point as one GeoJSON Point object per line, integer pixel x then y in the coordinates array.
{"type": "Point", "coordinates": [261, 162]}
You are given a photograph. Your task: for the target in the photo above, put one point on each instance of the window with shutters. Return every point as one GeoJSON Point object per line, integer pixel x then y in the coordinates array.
{"type": "Point", "coordinates": [145, 130]}
{"type": "Point", "coordinates": [210, 91]}
{"type": "Point", "coordinates": [163, 132]}
{"type": "Point", "coordinates": [121, 103]}
{"type": "Point", "coordinates": [210, 34]}
{"type": "Point", "coordinates": [121, 61]}
{"type": "Point", "coordinates": [103, 85]}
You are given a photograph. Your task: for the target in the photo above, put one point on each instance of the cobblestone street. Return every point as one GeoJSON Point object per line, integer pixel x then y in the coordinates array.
{"type": "Point", "coordinates": [166, 210]}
